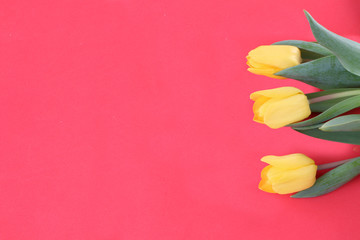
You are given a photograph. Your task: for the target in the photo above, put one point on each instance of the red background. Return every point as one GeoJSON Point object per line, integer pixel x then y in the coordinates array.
{"type": "Point", "coordinates": [131, 119]}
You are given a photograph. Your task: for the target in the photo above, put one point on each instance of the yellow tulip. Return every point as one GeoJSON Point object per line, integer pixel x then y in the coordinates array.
{"type": "Point", "coordinates": [268, 60]}
{"type": "Point", "coordinates": [287, 174]}
{"type": "Point", "coordinates": [279, 107]}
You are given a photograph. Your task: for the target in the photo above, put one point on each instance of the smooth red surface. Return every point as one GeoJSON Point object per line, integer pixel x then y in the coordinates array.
{"type": "Point", "coordinates": [130, 119]}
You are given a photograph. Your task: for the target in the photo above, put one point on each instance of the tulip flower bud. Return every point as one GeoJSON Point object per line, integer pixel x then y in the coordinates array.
{"type": "Point", "coordinates": [268, 60]}
{"type": "Point", "coordinates": [279, 107]}
{"type": "Point", "coordinates": [287, 174]}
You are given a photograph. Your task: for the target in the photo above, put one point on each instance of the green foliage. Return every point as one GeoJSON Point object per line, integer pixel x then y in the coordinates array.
{"type": "Point", "coordinates": [346, 50]}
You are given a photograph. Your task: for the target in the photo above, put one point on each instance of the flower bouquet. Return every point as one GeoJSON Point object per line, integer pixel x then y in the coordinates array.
{"type": "Point", "coordinates": [331, 64]}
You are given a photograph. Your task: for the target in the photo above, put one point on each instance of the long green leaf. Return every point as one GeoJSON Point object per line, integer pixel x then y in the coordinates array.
{"type": "Point", "coordinates": [344, 137]}
{"type": "Point", "coordinates": [332, 179]}
{"type": "Point", "coordinates": [347, 51]}
{"type": "Point", "coordinates": [339, 108]}
{"type": "Point", "coordinates": [324, 73]}
{"type": "Point", "coordinates": [332, 91]}
{"type": "Point", "coordinates": [323, 100]}
{"type": "Point", "coordinates": [324, 105]}
{"type": "Point", "coordinates": [309, 50]}
{"type": "Point", "coordinates": [347, 123]}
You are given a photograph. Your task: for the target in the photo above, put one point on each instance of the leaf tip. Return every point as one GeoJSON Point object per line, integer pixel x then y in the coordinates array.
{"type": "Point", "coordinates": [309, 17]}
{"type": "Point", "coordinates": [322, 128]}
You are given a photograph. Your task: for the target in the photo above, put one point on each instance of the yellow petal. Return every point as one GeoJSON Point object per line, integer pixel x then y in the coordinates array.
{"type": "Point", "coordinates": [284, 182]}
{"type": "Point", "coordinates": [290, 162]}
{"type": "Point", "coordinates": [265, 184]}
{"type": "Point", "coordinates": [263, 108]}
{"type": "Point", "coordinates": [287, 111]}
{"type": "Point", "coordinates": [257, 109]}
{"type": "Point", "coordinates": [269, 72]}
{"type": "Point", "coordinates": [279, 56]}
{"type": "Point", "coordinates": [281, 92]}
{"type": "Point", "coordinates": [258, 65]}
{"type": "Point", "coordinates": [253, 64]}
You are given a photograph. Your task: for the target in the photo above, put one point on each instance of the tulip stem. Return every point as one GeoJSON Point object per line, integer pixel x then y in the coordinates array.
{"type": "Point", "coordinates": [331, 165]}
{"type": "Point", "coordinates": [334, 95]}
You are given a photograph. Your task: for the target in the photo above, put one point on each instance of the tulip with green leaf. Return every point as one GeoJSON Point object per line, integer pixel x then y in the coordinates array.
{"type": "Point", "coordinates": [343, 172]}
{"type": "Point", "coordinates": [287, 174]}
{"type": "Point", "coordinates": [289, 106]}
{"type": "Point", "coordinates": [331, 62]}
{"type": "Point", "coordinates": [297, 173]}
{"type": "Point", "coordinates": [268, 60]}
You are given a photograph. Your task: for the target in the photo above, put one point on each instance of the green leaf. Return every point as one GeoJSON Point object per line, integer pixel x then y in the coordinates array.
{"type": "Point", "coordinates": [339, 108]}
{"type": "Point", "coordinates": [346, 123]}
{"type": "Point", "coordinates": [332, 179]}
{"type": "Point", "coordinates": [324, 105]}
{"type": "Point", "coordinates": [323, 100]}
{"type": "Point", "coordinates": [331, 91]}
{"type": "Point", "coordinates": [344, 137]}
{"type": "Point", "coordinates": [347, 51]}
{"type": "Point", "coordinates": [323, 73]}
{"type": "Point", "coordinates": [309, 50]}
{"type": "Point", "coordinates": [317, 126]}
